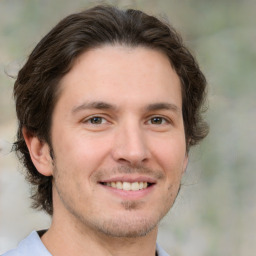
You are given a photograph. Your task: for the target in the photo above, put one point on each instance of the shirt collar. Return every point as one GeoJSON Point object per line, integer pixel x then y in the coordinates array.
{"type": "Point", "coordinates": [32, 245]}
{"type": "Point", "coordinates": [161, 251]}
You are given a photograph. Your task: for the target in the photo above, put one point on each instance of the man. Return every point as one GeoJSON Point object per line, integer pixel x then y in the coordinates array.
{"type": "Point", "coordinates": [109, 104]}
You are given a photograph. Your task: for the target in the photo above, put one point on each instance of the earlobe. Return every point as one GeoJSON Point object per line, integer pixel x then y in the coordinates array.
{"type": "Point", "coordinates": [39, 152]}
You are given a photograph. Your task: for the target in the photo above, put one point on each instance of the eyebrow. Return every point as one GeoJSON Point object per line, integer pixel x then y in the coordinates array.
{"type": "Point", "coordinates": [162, 106]}
{"type": "Point", "coordinates": [93, 105]}
{"type": "Point", "coordinates": [107, 106]}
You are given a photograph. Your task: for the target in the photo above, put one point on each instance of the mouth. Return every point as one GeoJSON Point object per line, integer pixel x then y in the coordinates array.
{"type": "Point", "coordinates": [128, 186]}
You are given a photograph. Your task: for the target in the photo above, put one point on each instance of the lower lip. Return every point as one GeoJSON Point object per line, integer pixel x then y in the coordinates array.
{"type": "Point", "coordinates": [130, 194]}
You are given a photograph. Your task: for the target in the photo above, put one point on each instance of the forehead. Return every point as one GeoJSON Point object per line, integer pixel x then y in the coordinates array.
{"type": "Point", "coordinates": [121, 74]}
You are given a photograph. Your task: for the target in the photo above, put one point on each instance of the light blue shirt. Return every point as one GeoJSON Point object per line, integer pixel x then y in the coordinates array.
{"type": "Point", "coordinates": [33, 246]}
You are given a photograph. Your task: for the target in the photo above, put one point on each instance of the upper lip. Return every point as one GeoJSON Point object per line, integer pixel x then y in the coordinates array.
{"type": "Point", "coordinates": [129, 178]}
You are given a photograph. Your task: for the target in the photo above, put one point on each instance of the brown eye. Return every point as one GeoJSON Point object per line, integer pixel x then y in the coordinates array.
{"type": "Point", "coordinates": [96, 120]}
{"type": "Point", "coordinates": [157, 120]}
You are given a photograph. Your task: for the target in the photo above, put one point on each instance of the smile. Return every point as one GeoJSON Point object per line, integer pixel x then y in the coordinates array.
{"type": "Point", "coordinates": [128, 186]}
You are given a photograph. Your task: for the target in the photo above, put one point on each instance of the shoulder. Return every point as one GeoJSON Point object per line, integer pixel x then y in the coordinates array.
{"type": "Point", "coordinates": [30, 246]}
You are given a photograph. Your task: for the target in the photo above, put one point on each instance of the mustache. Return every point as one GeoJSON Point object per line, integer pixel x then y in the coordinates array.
{"type": "Point", "coordinates": [123, 169]}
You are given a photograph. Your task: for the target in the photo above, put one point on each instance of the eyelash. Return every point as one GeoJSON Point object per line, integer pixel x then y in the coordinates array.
{"type": "Point", "coordinates": [163, 120]}
{"type": "Point", "coordinates": [89, 120]}
{"type": "Point", "coordinates": [102, 120]}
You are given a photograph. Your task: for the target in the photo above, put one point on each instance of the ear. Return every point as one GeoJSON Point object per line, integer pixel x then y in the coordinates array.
{"type": "Point", "coordinates": [39, 152]}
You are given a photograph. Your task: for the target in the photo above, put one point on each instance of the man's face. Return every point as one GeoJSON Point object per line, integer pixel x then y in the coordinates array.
{"type": "Point", "coordinates": [118, 141]}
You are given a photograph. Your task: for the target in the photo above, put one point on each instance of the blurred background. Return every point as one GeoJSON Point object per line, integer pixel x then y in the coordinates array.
{"type": "Point", "coordinates": [215, 213]}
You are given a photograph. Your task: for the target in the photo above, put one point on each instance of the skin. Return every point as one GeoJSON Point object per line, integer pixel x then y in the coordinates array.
{"type": "Point", "coordinates": [118, 118]}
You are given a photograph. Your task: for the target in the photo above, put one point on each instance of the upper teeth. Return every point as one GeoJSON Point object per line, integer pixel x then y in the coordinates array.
{"type": "Point", "coordinates": [128, 185]}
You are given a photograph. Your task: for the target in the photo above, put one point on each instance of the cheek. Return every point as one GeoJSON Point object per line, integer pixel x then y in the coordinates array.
{"type": "Point", "coordinates": [80, 152]}
{"type": "Point", "coordinates": [171, 151]}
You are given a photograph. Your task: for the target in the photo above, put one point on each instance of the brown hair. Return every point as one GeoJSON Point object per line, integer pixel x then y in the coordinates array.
{"type": "Point", "coordinates": [36, 87]}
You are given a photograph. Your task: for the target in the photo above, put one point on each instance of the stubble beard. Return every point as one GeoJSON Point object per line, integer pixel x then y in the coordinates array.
{"type": "Point", "coordinates": [121, 227]}
{"type": "Point", "coordinates": [118, 226]}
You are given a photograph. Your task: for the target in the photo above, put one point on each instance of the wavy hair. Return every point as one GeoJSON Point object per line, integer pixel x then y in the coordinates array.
{"type": "Point", "coordinates": [37, 85]}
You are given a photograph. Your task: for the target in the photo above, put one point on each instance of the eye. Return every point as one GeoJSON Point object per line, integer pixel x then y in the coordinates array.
{"type": "Point", "coordinates": [96, 120]}
{"type": "Point", "coordinates": [157, 120]}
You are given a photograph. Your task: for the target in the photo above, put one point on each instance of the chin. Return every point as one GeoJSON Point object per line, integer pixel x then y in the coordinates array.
{"type": "Point", "coordinates": [129, 224]}
{"type": "Point", "coordinates": [127, 229]}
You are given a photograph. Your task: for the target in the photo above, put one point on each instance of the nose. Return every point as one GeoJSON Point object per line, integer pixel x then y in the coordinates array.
{"type": "Point", "coordinates": [130, 145]}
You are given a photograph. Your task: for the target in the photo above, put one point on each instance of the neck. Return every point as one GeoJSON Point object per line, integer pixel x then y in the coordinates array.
{"type": "Point", "coordinates": [66, 238]}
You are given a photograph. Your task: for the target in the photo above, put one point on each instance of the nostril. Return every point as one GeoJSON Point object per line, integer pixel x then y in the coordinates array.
{"type": "Point", "coordinates": [132, 161]}
{"type": "Point", "coordinates": [122, 160]}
